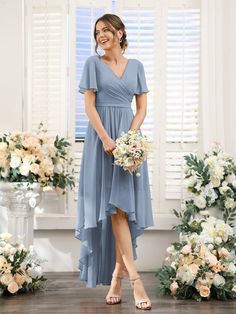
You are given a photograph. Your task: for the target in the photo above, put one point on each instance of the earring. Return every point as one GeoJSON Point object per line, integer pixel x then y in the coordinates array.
{"type": "Point", "coordinates": [121, 39]}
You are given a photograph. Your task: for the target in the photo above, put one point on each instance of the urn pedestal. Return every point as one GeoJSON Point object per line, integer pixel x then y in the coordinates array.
{"type": "Point", "coordinates": [20, 202]}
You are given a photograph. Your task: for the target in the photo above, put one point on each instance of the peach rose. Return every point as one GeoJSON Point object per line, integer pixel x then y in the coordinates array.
{"type": "Point", "coordinates": [186, 249]}
{"type": "Point", "coordinates": [204, 291]}
{"type": "Point", "coordinates": [34, 168]}
{"type": "Point", "coordinates": [212, 260]}
{"type": "Point", "coordinates": [13, 287]}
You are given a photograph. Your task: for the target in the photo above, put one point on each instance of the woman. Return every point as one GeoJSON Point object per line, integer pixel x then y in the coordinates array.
{"type": "Point", "coordinates": [114, 207]}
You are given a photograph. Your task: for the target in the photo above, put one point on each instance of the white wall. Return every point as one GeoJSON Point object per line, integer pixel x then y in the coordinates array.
{"type": "Point", "coordinates": [229, 69]}
{"type": "Point", "coordinates": [11, 65]}
{"type": "Point", "coordinates": [60, 248]}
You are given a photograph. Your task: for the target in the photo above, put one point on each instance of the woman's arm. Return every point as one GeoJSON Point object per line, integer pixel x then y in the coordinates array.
{"type": "Point", "coordinates": [141, 111]}
{"type": "Point", "coordinates": [95, 120]}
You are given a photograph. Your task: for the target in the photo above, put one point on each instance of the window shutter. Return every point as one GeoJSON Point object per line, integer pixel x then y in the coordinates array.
{"type": "Point", "coordinates": [46, 78]}
{"type": "Point", "coordinates": [182, 93]}
{"type": "Point", "coordinates": [47, 48]}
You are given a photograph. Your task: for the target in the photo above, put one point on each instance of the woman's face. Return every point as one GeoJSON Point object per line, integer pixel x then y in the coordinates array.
{"type": "Point", "coordinates": [105, 38]}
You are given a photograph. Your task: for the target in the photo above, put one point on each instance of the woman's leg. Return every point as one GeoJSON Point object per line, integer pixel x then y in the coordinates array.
{"type": "Point", "coordinates": [115, 287]}
{"type": "Point", "coordinates": [123, 240]}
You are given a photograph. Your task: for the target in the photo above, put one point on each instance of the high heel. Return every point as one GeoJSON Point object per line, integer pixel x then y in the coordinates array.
{"type": "Point", "coordinates": [109, 296]}
{"type": "Point", "coordinates": [138, 303]}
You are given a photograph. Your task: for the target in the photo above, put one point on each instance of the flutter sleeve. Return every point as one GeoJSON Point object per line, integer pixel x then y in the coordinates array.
{"type": "Point", "coordinates": [88, 79]}
{"type": "Point", "coordinates": [141, 81]}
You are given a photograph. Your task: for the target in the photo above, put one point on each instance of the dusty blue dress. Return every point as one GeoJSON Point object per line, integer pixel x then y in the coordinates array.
{"type": "Point", "coordinates": [104, 186]}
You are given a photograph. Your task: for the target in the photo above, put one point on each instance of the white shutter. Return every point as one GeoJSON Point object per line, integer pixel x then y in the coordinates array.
{"type": "Point", "coordinates": [83, 15]}
{"type": "Point", "coordinates": [182, 93]}
{"type": "Point", "coordinates": [47, 46]}
{"type": "Point", "coordinates": [47, 65]}
{"type": "Point", "coordinates": [181, 83]}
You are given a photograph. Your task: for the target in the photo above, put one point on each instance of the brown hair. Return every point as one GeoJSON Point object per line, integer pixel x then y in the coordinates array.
{"type": "Point", "coordinates": [113, 23]}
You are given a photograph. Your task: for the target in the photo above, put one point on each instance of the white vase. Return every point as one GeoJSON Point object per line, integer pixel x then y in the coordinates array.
{"type": "Point", "coordinates": [20, 203]}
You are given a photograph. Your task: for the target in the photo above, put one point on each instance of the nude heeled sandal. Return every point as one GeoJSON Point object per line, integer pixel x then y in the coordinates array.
{"type": "Point", "coordinates": [109, 296]}
{"type": "Point", "coordinates": [138, 303]}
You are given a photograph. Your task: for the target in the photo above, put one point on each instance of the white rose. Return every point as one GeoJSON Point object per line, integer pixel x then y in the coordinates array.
{"type": "Point", "coordinates": [218, 240]}
{"type": "Point", "coordinates": [215, 182]}
{"type": "Point", "coordinates": [218, 280]}
{"type": "Point", "coordinates": [24, 169]}
{"type": "Point", "coordinates": [15, 161]}
{"type": "Point", "coordinates": [210, 247]}
{"type": "Point", "coordinates": [229, 202]}
{"type": "Point", "coordinates": [170, 249]}
{"type": "Point", "coordinates": [232, 268]}
{"type": "Point", "coordinates": [234, 183]}
{"type": "Point", "coordinates": [200, 201]}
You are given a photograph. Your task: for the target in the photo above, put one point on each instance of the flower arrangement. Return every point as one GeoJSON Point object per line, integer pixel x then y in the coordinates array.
{"type": "Point", "coordinates": [30, 158]}
{"type": "Point", "coordinates": [131, 150]}
{"type": "Point", "coordinates": [210, 181]}
{"type": "Point", "coordinates": [203, 263]}
{"type": "Point", "coordinates": [20, 268]}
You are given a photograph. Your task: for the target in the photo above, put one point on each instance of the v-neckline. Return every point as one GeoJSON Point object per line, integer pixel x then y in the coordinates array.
{"type": "Point", "coordinates": [123, 74]}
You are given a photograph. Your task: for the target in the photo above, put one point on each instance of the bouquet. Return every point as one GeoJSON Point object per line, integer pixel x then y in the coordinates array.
{"type": "Point", "coordinates": [26, 157]}
{"type": "Point", "coordinates": [210, 181]}
{"type": "Point", "coordinates": [20, 268]}
{"type": "Point", "coordinates": [202, 264]}
{"type": "Point", "coordinates": [131, 151]}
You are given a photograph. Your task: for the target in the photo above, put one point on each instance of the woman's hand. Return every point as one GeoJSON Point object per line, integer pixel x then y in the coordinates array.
{"type": "Point", "coordinates": [109, 145]}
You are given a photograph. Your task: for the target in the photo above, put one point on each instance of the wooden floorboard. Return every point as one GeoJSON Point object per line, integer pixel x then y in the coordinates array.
{"type": "Point", "coordinates": [65, 293]}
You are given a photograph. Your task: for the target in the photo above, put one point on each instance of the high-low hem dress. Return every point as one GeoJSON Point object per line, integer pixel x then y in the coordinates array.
{"type": "Point", "coordinates": [103, 186]}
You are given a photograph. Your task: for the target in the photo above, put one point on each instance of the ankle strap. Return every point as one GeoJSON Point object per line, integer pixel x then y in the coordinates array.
{"type": "Point", "coordinates": [133, 279]}
{"type": "Point", "coordinates": [117, 277]}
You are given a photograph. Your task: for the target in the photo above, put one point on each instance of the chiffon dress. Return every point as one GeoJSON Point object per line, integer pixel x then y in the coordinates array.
{"type": "Point", "coordinates": [104, 186]}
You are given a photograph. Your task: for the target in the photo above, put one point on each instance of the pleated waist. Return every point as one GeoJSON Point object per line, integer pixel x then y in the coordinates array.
{"type": "Point", "coordinates": [118, 105]}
